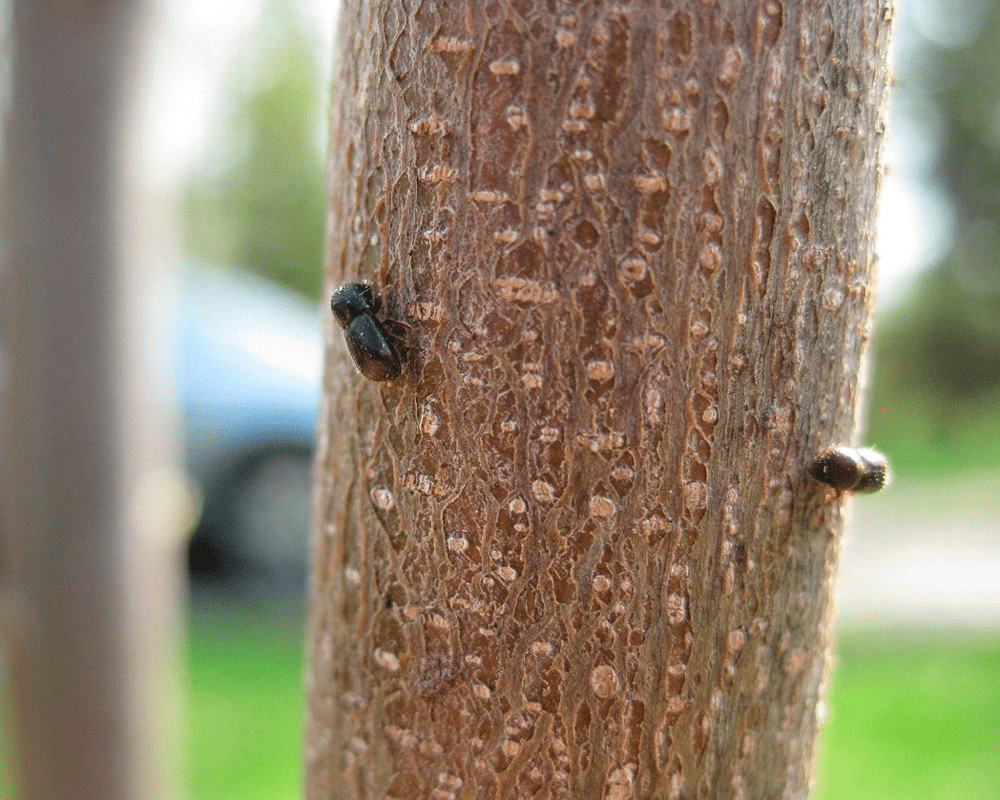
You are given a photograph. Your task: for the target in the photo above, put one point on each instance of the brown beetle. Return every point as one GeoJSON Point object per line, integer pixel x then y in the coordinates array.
{"type": "Point", "coordinates": [850, 469]}
{"type": "Point", "coordinates": [355, 305]}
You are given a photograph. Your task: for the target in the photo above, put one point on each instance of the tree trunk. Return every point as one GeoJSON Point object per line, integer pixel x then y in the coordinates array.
{"type": "Point", "coordinates": [91, 495]}
{"type": "Point", "coordinates": [574, 551]}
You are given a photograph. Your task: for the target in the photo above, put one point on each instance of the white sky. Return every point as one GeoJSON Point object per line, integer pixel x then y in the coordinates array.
{"type": "Point", "coordinates": [196, 44]}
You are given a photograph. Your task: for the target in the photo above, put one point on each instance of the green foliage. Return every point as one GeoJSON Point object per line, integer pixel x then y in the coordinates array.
{"type": "Point", "coordinates": [936, 395]}
{"type": "Point", "coordinates": [952, 332]}
{"type": "Point", "coordinates": [963, 83]}
{"type": "Point", "coordinates": [264, 207]}
{"type": "Point", "coordinates": [935, 399]}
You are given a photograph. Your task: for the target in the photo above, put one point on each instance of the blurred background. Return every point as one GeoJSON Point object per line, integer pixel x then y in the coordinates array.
{"type": "Point", "coordinates": [234, 130]}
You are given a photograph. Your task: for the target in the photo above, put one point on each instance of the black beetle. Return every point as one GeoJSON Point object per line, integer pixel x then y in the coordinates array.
{"type": "Point", "coordinates": [355, 305]}
{"type": "Point", "coordinates": [851, 470]}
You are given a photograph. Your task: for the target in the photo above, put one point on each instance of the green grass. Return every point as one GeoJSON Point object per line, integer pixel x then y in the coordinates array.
{"type": "Point", "coordinates": [244, 739]}
{"type": "Point", "coordinates": [6, 741]}
{"type": "Point", "coordinates": [913, 717]}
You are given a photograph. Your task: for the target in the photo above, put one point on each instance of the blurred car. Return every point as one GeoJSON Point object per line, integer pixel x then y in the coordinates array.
{"type": "Point", "coordinates": [249, 377]}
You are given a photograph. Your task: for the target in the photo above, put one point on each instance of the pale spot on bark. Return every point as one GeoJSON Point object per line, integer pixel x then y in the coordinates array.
{"type": "Point", "coordinates": [427, 126]}
{"type": "Point", "coordinates": [505, 68]}
{"type": "Point", "coordinates": [731, 63]}
{"type": "Point", "coordinates": [710, 257]}
{"type": "Point", "coordinates": [634, 270]}
{"type": "Point", "coordinates": [387, 660]}
{"type": "Point", "coordinates": [482, 691]}
{"type": "Point", "coordinates": [676, 609]}
{"type": "Point", "coordinates": [677, 120]}
{"type": "Point", "coordinates": [429, 422]}
{"type": "Point", "coordinates": [383, 498]}
{"type": "Point", "coordinates": [600, 370]}
{"type": "Point", "coordinates": [510, 748]}
{"type": "Point", "coordinates": [543, 491]}
{"type": "Point", "coordinates": [695, 495]}
{"type": "Point", "coordinates": [488, 196]}
{"type": "Point", "coordinates": [604, 681]}
{"type": "Point", "coordinates": [449, 44]}
{"type": "Point", "coordinates": [549, 435]}
{"type": "Point", "coordinates": [565, 38]}
{"type": "Point", "coordinates": [438, 173]}
{"type": "Point", "coordinates": [602, 507]}
{"type": "Point", "coordinates": [676, 703]}
{"type": "Point", "coordinates": [648, 184]}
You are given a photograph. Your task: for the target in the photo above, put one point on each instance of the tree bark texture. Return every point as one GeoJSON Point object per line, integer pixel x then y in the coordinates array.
{"type": "Point", "coordinates": [574, 552]}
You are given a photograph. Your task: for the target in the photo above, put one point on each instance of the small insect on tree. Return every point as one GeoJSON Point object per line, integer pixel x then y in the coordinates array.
{"type": "Point", "coordinates": [579, 546]}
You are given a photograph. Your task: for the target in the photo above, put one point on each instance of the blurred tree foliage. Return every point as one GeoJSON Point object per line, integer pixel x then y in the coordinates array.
{"type": "Point", "coordinates": [261, 202]}
{"type": "Point", "coordinates": [936, 397]}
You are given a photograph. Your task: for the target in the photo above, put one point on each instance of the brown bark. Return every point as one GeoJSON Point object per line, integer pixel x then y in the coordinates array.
{"type": "Point", "coordinates": [574, 550]}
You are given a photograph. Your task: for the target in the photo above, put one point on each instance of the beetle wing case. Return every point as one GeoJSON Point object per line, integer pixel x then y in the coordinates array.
{"type": "Point", "coordinates": [371, 349]}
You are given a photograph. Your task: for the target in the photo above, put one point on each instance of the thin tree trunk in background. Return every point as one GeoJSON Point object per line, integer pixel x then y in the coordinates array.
{"type": "Point", "coordinates": [573, 552]}
{"type": "Point", "coordinates": [89, 569]}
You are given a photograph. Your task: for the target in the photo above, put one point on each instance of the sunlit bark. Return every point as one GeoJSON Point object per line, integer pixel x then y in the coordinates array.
{"type": "Point", "coordinates": [574, 550]}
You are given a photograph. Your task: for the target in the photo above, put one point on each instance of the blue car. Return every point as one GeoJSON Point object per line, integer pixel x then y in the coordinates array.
{"type": "Point", "coordinates": [250, 374]}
